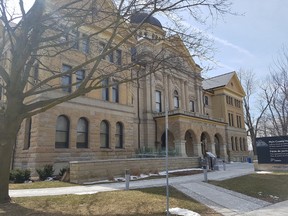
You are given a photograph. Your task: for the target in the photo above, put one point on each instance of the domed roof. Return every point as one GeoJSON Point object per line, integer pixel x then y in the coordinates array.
{"type": "Point", "coordinates": [139, 17]}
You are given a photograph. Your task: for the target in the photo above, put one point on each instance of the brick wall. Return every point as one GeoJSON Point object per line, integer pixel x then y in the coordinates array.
{"type": "Point", "coordinates": [88, 171]}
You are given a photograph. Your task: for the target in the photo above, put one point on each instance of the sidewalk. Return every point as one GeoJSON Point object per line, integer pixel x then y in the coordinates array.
{"type": "Point", "coordinates": [221, 200]}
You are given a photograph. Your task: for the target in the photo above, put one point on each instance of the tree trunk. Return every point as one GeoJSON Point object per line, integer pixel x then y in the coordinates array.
{"type": "Point", "coordinates": [8, 135]}
{"type": "Point", "coordinates": [253, 140]}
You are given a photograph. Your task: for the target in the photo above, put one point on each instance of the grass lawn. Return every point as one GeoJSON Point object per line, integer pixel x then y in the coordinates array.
{"type": "Point", "coordinates": [269, 187]}
{"type": "Point", "coordinates": [40, 184]}
{"type": "Point", "coordinates": [144, 202]}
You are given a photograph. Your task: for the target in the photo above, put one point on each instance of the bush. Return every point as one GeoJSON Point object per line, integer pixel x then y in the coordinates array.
{"type": "Point", "coordinates": [63, 170]}
{"type": "Point", "coordinates": [45, 172]}
{"type": "Point", "coordinates": [20, 176]}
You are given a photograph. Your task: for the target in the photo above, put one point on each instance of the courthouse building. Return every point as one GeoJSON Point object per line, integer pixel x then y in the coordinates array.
{"type": "Point", "coordinates": [120, 120]}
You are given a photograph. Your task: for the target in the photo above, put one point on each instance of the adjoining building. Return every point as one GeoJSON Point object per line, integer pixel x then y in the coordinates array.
{"type": "Point", "coordinates": [118, 121]}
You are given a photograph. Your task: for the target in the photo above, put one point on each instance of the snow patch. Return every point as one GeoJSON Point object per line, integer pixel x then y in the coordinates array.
{"type": "Point", "coordinates": [85, 193]}
{"type": "Point", "coordinates": [263, 172]}
{"type": "Point", "coordinates": [183, 212]}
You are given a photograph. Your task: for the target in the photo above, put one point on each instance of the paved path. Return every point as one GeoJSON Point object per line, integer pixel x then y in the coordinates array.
{"type": "Point", "coordinates": [223, 201]}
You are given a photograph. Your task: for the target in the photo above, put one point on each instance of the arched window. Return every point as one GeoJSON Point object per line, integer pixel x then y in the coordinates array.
{"type": "Point", "coordinates": [82, 133]}
{"type": "Point", "coordinates": [119, 135]}
{"type": "Point", "coordinates": [62, 132]}
{"type": "Point", "coordinates": [232, 144]}
{"type": "Point", "coordinates": [176, 99]}
{"type": "Point", "coordinates": [104, 134]}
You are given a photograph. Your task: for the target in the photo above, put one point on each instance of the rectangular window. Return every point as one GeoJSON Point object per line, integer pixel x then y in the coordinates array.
{"type": "Point", "coordinates": [231, 119]}
{"type": "Point", "coordinates": [115, 93]}
{"type": "Point", "coordinates": [27, 139]}
{"type": "Point", "coordinates": [74, 39]}
{"type": "Point", "coordinates": [118, 57]}
{"type": "Point", "coordinates": [158, 101]}
{"type": "Point", "coordinates": [111, 57]}
{"type": "Point", "coordinates": [192, 106]}
{"type": "Point", "coordinates": [133, 54]}
{"type": "Point", "coordinates": [206, 100]}
{"type": "Point", "coordinates": [85, 44]}
{"type": "Point", "coordinates": [66, 79]}
{"type": "Point", "coordinates": [101, 48]}
{"type": "Point", "coordinates": [239, 122]}
{"type": "Point", "coordinates": [105, 89]}
{"type": "Point", "coordinates": [80, 76]}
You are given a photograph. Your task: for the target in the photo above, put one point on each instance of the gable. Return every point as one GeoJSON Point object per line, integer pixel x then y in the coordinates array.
{"type": "Point", "coordinates": [226, 82]}
{"type": "Point", "coordinates": [179, 46]}
{"type": "Point", "coordinates": [235, 86]}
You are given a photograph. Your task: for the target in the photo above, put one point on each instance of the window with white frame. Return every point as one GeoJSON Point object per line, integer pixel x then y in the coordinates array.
{"type": "Point", "coordinates": [192, 106]}
{"type": "Point", "coordinates": [176, 99]}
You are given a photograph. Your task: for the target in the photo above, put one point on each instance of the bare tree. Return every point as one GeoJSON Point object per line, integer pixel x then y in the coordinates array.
{"type": "Point", "coordinates": [51, 30]}
{"type": "Point", "coordinates": [253, 113]}
{"type": "Point", "coordinates": [278, 108]}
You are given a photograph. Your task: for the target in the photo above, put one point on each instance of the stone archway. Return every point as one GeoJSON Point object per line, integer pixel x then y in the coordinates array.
{"type": "Point", "coordinates": [218, 140]}
{"type": "Point", "coordinates": [190, 139]}
{"type": "Point", "coordinates": [171, 145]}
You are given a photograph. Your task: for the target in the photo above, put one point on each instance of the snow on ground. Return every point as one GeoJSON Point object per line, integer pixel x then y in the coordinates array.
{"type": "Point", "coordinates": [183, 212]}
{"type": "Point", "coordinates": [263, 172]}
{"type": "Point", "coordinates": [142, 176]}
{"type": "Point", "coordinates": [180, 170]}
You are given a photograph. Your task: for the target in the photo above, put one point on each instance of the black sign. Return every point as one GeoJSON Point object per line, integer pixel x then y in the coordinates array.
{"type": "Point", "coordinates": [272, 150]}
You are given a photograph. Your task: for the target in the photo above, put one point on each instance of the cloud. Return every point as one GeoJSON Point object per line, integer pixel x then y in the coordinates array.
{"type": "Point", "coordinates": [219, 40]}
{"type": "Point", "coordinates": [227, 43]}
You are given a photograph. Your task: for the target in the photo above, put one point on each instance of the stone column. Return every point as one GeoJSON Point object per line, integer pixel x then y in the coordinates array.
{"type": "Point", "coordinates": [186, 95]}
{"type": "Point", "coordinates": [213, 150]}
{"type": "Point", "coordinates": [180, 147]}
{"type": "Point", "coordinates": [223, 152]}
{"type": "Point", "coordinates": [198, 150]}
{"type": "Point", "coordinates": [183, 96]}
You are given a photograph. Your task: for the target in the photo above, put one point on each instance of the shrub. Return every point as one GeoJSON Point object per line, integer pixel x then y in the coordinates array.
{"type": "Point", "coordinates": [20, 176]}
{"type": "Point", "coordinates": [63, 170]}
{"type": "Point", "coordinates": [45, 172]}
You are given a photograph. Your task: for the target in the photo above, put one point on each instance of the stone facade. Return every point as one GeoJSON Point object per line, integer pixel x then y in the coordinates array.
{"type": "Point", "coordinates": [201, 116]}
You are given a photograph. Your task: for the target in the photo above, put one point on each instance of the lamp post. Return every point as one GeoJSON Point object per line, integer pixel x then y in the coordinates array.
{"type": "Point", "coordinates": [166, 157]}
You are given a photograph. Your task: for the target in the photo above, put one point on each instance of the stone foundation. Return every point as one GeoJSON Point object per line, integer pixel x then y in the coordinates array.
{"type": "Point", "coordinates": [89, 171]}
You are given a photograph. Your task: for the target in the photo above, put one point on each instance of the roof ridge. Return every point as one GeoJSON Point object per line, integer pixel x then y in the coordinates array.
{"type": "Point", "coordinates": [220, 75]}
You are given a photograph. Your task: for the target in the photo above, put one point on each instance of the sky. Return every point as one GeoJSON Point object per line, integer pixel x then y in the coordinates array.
{"type": "Point", "coordinates": [250, 41]}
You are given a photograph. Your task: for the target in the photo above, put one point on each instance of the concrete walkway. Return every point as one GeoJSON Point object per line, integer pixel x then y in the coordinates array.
{"type": "Point", "coordinates": [221, 200]}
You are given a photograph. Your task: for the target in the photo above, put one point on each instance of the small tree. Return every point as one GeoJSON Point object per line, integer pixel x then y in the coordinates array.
{"type": "Point", "coordinates": [45, 172]}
